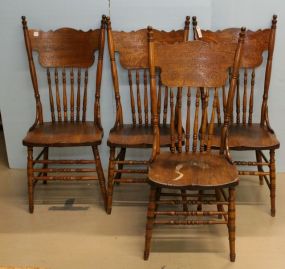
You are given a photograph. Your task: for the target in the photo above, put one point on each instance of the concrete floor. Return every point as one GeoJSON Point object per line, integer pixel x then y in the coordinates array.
{"type": "Point", "coordinates": [81, 235]}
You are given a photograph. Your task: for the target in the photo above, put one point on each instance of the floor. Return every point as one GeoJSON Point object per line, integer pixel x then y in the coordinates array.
{"type": "Point", "coordinates": [69, 229]}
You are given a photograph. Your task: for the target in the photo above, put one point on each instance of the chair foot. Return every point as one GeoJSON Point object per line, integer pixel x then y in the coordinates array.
{"type": "Point", "coordinates": [146, 255]}
{"type": "Point", "coordinates": [31, 209]}
{"type": "Point", "coordinates": [232, 257]}
{"type": "Point", "coordinates": [272, 212]}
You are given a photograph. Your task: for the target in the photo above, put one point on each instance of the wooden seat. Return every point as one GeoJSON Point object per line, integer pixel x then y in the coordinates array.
{"type": "Point", "coordinates": [195, 170]}
{"type": "Point", "coordinates": [64, 134]}
{"type": "Point", "coordinates": [244, 133]}
{"type": "Point", "coordinates": [249, 137]}
{"type": "Point", "coordinates": [137, 136]}
{"type": "Point", "coordinates": [132, 50]}
{"type": "Point", "coordinates": [199, 68]}
{"type": "Point", "coordinates": [67, 56]}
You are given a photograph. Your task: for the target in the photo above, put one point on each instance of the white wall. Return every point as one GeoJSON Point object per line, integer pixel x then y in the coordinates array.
{"type": "Point", "coordinates": [16, 95]}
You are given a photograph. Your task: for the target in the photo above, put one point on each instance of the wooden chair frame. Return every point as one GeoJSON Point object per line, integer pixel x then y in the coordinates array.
{"type": "Point", "coordinates": [256, 43]}
{"type": "Point", "coordinates": [194, 64]}
{"type": "Point", "coordinates": [133, 51]}
{"type": "Point", "coordinates": [64, 49]}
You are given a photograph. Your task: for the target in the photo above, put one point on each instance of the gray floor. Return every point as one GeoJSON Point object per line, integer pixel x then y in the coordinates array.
{"type": "Point", "coordinates": [69, 229]}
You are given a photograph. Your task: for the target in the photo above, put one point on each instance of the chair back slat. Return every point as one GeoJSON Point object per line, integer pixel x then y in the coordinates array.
{"type": "Point", "coordinates": [50, 96]}
{"type": "Point", "coordinates": [139, 106]}
{"type": "Point", "coordinates": [58, 105]}
{"type": "Point", "coordinates": [145, 97]}
{"type": "Point", "coordinates": [165, 105]}
{"type": "Point", "coordinates": [238, 101]}
{"type": "Point", "coordinates": [64, 97]}
{"type": "Point", "coordinates": [172, 121]}
{"type": "Point", "coordinates": [78, 95]}
{"type": "Point", "coordinates": [196, 120]}
{"type": "Point", "coordinates": [244, 107]}
{"type": "Point", "coordinates": [252, 83]}
{"type": "Point", "coordinates": [132, 97]}
{"type": "Point", "coordinates": [84, 105]}
{"type": "Point", "coordinates": [71, 95]}
{"type": "Point", "coordinates": [188, 116]}
{"type": "Point", "coordinates": [212, 121]}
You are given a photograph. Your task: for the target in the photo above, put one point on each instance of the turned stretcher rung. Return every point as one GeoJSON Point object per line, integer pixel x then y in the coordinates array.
{"type": "Point", "coordinates": [190, 213]}
{"type": "Point", "coordinates": [54, 170]}
{"type": "Point", "coordinates": [251, 163]}
{"type": "Point", "coordinates": [188, 195]}
{"type": "Point", "coordinates": [131, 180]}
{"type": "Point", "coordinates": [64, 178]}
{"type": "Point", "coordinates": [192, 202]}
{"type": "Point", "coordinates": [188, 222]}
{"type": "Point", "coordinates": [131, 171]}
{"type": "Point", "coordinates": [132, 162]}
{"type": "Point", "coordinates": [65, 161]}
{"type": "Point", "coordinates": [253, 173]}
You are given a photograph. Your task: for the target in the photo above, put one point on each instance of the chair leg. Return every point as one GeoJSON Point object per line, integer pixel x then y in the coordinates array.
{"type": "Point", "coordinates": [272, 181]}
{"type": "Point", "coordinates": [199, 207]}
{"type": "Point", "coordinates": [111, 180]}
{"type": "Point", "coordinates": [122, 156]}
{"type": "Point", "coordinates": [100, 174]}
{"type": "Point", "coordinates": [218, 198]}
{"type": "Point", "coordinates": [259, 167]}
{"type": "Point", "coordinates": [184, 200]}
{"type": "Point", "coordinates": [231, 223]}
{"type": "Point", "coordinates": [45, 166]}
{"type": "Point", "coordinates": [30, 179]}
{"type": "Point", "coordinates": [150, 221]}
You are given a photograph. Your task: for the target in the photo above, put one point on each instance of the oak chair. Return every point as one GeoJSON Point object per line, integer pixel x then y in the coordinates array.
{"type": "Point", "coordinates": [64, 54]}
{"type": "Point", "coordinates": [133, 52]}
{"type": "Point", "coordinates": [190, 66]}
{"type": "Point", "coordinates": [245, 133]}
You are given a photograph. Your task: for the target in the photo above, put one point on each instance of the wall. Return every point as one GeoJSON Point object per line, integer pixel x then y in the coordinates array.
{"type": "Point", "coordinates": [16, 95]}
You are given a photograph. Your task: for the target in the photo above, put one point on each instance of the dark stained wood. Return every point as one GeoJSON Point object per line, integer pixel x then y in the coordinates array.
{"type": "Point", "coordinates": [62, 52]}
{"type": "Point", "coordinates": [132, 49]}
{"type": "Point", "coordinates": [202, 68]}
{"type": "Point", "coordinates": [200, 170]}
{"type": "Point", "coordinates": [63, 134]}
{"type": "Point", "coordinates": [138, 136]}
{"type": "Point", "coordinates": [250, 136]}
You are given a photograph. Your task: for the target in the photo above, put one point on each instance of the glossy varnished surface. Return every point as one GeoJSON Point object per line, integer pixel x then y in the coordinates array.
{"type": "Point", "coordinates": [133, 47]}
{"type": "Point", "coordinates": [242, 137]}
{"type": "Point", "coordinates": [65, 47]}
{"type": "Point", "coordinates": [138, 136]}
{"type": "Point", "coordinates": [192, 170]}
{"type": "Point", "coordinates": [64, 134]}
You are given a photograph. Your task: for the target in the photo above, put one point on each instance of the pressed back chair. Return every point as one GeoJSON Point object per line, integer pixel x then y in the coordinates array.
{"type": "Point", "coordinates": [133, 52]}
{"type": "Point", "coordinates": [189, 67]}
{"type": "Point", "coordinates": [244, 133]}
{"type": "Point", "coordinates": [66, 54]}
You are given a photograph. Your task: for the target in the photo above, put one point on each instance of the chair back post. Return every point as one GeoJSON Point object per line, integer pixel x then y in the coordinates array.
{"type": "Point", "coordinates": [119, 111]}
{"type": "Point", "coordinates": [97, 112]}
{"type": "Point", "coordinates": [231, 94]}
{"type": "Point", "coordinates": [156, 143]}
{"type": "Point", "coordinates": [186, 28]}
{"type": "Point", "coordinates": [194, 24]}
{"type": "Point", "coordinates": [39, 113]}
{"type": "Point", "coordinates": [271, 45]}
